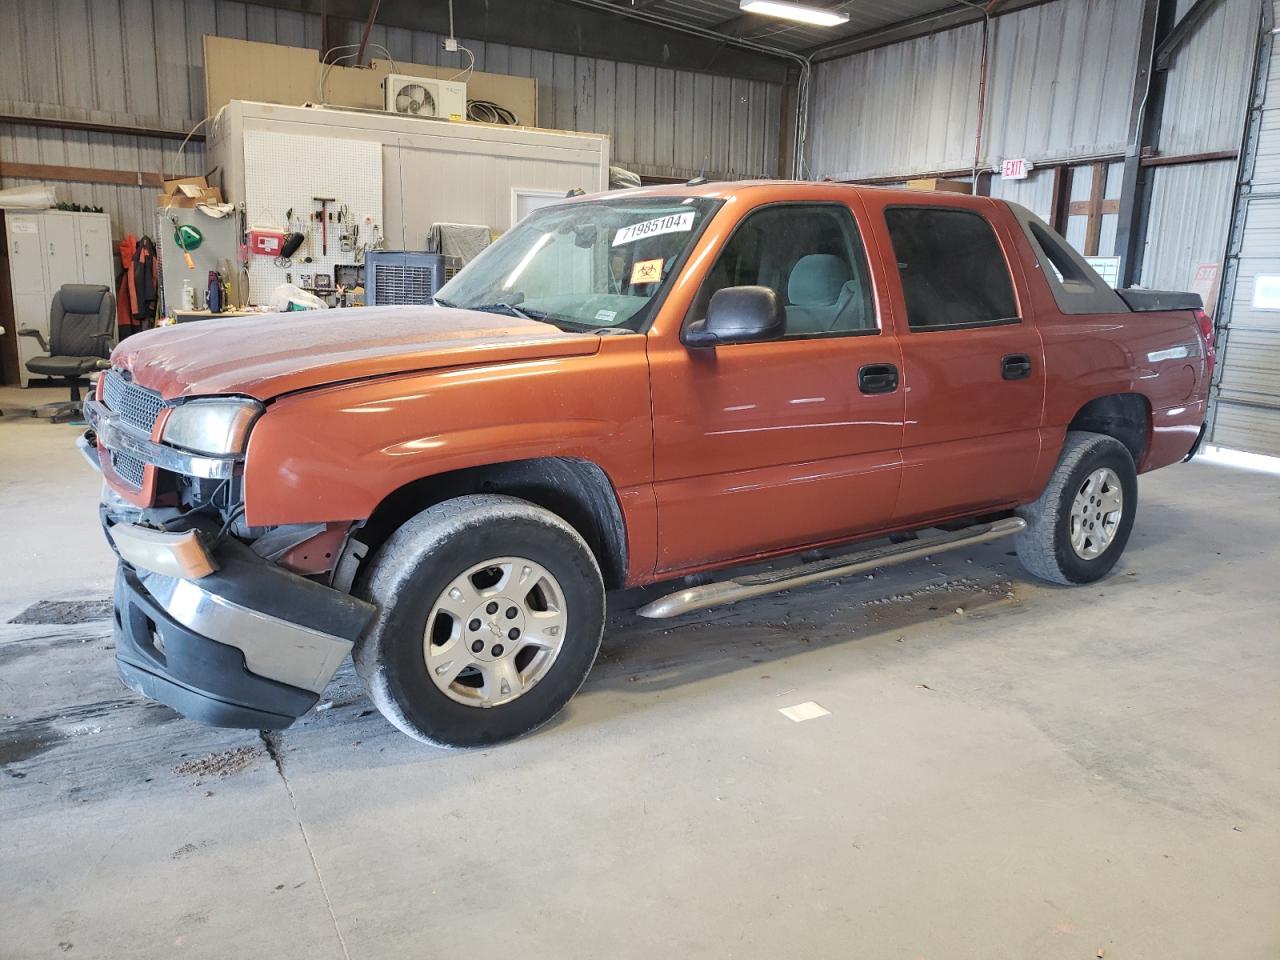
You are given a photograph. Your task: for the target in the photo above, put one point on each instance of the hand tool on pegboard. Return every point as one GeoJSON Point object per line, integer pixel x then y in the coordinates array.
{"type": "Point", "coordinates": [323, 216]}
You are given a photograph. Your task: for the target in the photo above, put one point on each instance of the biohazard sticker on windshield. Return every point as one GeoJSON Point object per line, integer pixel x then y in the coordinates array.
{"type": "Point", "coordinates": [646, 271]}
{"type": "Point", "coordinates": [674, 223]}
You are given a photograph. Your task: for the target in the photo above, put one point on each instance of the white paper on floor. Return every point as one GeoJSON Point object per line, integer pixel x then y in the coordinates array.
{"type": "Point", "coordinates": [805, 711]}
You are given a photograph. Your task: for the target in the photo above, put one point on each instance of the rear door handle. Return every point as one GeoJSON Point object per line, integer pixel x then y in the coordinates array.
{"type": "Point", "coordinates": [878, 378]}
{"type": "Point", "coordinates": [1016, 366]}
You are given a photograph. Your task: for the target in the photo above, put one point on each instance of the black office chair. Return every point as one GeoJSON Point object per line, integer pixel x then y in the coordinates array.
{"type": "Point", "coordinates": [82, 331]}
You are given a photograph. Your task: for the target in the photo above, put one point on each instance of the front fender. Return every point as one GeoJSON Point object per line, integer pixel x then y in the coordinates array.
{"type": "Point", "coordinates": [335, 453]}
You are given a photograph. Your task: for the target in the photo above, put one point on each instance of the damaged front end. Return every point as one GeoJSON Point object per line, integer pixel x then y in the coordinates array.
{"type": "Point", "coordinates": [227, 624]}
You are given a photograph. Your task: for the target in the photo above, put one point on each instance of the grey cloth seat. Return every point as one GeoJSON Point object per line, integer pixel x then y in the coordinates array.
{"type": "Point", "coordinates": [82, 331]}
{"type": "Point", "coordinates": [820, 290]}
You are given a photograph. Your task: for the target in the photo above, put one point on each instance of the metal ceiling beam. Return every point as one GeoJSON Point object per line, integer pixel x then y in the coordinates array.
{"type": "Point", "coordinates": [1184, 31]}
{"type": "Point", "coordinates": [737, 25]}
{"type": "Point", "coordinates": [930, 23]}
{"type": "Point", "coordinates": [368, 25]}
{"type": "Point", "coordinates": [565, 26]}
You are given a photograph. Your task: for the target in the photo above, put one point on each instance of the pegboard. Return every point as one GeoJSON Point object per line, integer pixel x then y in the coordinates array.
{"type": "Point", "coordinates": [284, 171]}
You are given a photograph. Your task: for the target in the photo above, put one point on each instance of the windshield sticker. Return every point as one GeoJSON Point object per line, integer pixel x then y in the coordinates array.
{"type": "Point", "coordinates": [646, 271]}
{"type": "Point", "coordinates": [675, 223]}
{"type": "Point", "coordinates": [606, 316]}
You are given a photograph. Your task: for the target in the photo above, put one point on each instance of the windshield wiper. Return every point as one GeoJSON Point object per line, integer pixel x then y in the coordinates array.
{"type": "Point", "coordinates": [511, 309]}
{"type": "Point", "coordinates": [436, 301]}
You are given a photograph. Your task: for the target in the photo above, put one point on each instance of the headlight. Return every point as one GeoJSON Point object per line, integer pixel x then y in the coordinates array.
{"type": "Point", "coordinates": [217, 426]}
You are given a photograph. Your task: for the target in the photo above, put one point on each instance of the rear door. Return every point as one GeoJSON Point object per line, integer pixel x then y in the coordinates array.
{"type": "Point", "coordinates": [973, 364]}
{"type": "Point", "coordinates": [760, 447]}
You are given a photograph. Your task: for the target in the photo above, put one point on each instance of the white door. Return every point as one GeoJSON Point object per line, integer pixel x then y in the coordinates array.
{"type": "Point", "coordinates": [96, 262]}
{"type": "Point", "coordinates": [30, 311]}
{"type": "Point", "coordinates": [62, 250]}
{"type": "Point", "coordinates": [26, 252]}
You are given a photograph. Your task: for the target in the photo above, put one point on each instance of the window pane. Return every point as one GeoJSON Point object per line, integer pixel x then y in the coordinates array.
{"type": "Point", "coordinates": [953, 272]}
{"type": "Point", "coordinates": [811, 257]}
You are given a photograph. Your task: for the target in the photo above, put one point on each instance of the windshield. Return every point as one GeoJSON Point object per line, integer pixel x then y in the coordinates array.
{"type": "Point", "coordinates": [591, 264]}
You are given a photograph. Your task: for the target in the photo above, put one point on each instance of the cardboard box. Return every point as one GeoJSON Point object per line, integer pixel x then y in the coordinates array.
{"type": "Point", "coordinates": [187, 193]}
{"type": "Point", "coordinates": [937, 183]}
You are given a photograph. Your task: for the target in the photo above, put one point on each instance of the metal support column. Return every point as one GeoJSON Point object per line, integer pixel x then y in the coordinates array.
{"type": "Point", "coordinates": [1145, 110]}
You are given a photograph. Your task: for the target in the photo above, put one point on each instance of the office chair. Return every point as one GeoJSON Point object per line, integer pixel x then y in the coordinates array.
{"type": "Point", "coordinates": [82, 331]}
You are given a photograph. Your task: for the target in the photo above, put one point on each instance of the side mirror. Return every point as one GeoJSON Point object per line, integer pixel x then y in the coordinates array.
{"type": "Point", "coordinates": [738, 315]}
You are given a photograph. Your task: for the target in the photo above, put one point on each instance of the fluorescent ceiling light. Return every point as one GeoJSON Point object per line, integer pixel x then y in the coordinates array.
{"type": "Point", "coordinates": [795, 11]}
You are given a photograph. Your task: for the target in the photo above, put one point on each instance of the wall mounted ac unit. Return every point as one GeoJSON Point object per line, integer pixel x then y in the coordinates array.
{"type": "Point", "coordinates": [424, 97]}
{"type": "Point", "coordinates": [402, 276]}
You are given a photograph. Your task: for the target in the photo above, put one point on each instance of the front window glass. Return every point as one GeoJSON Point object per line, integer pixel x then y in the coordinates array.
{"type": "Point", "coordinates": [811, 256]}
{"type": "Point", "coordinates": [590, 264]}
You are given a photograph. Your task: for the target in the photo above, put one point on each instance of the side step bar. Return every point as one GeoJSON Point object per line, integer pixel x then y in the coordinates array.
{"type": "Point", "coordinates": [759, 584]}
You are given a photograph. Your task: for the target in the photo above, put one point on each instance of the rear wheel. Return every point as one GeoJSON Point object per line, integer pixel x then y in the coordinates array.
{"type": "Point", "coordinates": [1080, 524]}
{"type": "Point", "coordinates": [491, 612]}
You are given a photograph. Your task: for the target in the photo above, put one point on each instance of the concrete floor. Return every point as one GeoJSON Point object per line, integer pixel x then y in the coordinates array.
{"type": "Point", "coordinates": [1052, 773]}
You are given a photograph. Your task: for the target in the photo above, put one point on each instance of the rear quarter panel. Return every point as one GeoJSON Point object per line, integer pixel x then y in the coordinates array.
{"type": "Point", "coordinates": [1158, 356]}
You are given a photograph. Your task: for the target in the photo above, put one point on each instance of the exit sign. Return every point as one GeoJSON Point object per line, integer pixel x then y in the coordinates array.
{"type": "Point", "coordinates": [1015, 169]}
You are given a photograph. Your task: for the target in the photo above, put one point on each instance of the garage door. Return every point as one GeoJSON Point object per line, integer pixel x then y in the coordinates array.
{"type": "Point", "coordinates": [1247, 412]}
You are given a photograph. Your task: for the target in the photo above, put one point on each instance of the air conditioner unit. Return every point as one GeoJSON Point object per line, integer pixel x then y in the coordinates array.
{"type": "Point", "coordinates": [424, 97]}
{"type": "Point", "coordinates": [402, 276]}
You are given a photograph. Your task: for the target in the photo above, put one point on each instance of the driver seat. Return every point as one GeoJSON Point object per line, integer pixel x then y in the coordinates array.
{"type": "Point", "coordinates": [819, 290]}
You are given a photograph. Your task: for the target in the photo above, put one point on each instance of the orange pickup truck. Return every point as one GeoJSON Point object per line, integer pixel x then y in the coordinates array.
{"type": "Point", "coordinates": [623, 389]}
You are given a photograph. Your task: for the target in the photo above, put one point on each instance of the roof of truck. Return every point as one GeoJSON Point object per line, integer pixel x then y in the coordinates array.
{"type": "Point", "coordinates": [723, 189]}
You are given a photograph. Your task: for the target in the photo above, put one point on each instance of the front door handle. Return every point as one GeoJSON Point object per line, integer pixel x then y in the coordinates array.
{"type": "Point", "coordinates": [1016, 366]}
{"type": "Point", "coordinates": [878, 378]}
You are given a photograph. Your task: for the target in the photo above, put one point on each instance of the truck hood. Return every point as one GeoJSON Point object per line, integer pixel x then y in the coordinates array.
{"type": "Point", "coordinates": [267, 355]}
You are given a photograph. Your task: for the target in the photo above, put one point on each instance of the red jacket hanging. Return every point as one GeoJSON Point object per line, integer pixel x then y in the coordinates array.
{"type": "Point", "coordinates": [137, 286]}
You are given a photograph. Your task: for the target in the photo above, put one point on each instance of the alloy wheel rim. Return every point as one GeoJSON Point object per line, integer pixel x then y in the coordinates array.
{"type": "Point", "coordinates": [1095, 513]}
{"type": "Point", "coordinates": [495, 631]}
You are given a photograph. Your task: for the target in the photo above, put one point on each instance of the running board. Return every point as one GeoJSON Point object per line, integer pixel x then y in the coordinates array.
{"type": "Point", "coordinates": [759, 584]}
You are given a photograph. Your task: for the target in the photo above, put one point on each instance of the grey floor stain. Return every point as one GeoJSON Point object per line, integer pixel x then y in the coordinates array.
{"type": "Point", "coordinates": [64, 612]}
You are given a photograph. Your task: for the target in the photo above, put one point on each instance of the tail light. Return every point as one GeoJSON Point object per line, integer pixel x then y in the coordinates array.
{"type": "Point", "coordinates": [1206, 332]}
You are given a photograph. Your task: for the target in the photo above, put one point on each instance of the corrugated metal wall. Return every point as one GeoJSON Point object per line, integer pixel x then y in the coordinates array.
{"type": "Point", "coordinates": [1204, 112]}
{"type": "Point", "coordinates": [139, 63]}
{"type": "Point", "coordinates": [1208, 83]}
{"type": "Point", "coordinates": [1057, 88]}
{"type": "Point", "coordinates": [131, 208]}
{"type": "Point", "coordinates": [1190, 208]}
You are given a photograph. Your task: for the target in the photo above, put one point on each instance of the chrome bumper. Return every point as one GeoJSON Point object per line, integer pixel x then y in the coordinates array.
{"type": "Point", "coordinates": [273, 648]}
{"type": "Point", "coordinates": [114, 433]}
{"type": "Point", "coordinates": [287, 629]}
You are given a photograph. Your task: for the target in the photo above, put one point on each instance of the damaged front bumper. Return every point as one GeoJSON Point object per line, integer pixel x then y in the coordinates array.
{"type": "Point", "coordinates": [247, 645]}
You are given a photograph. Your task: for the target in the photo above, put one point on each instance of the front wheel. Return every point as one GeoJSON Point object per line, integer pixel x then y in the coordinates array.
{"type": "Point", "coordinates": [1080, 524]}
{"type": "Point", "coordinates": [491, 612]}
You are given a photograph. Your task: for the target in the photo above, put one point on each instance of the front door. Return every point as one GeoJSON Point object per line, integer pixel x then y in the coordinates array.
{"type": "Point", "coordinates": [761, 447]}
{"type": "Point", "coordinates": [973, 366]}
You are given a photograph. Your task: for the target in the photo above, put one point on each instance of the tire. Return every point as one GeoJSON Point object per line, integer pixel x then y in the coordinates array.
{"type": "Point", "coordinates": [1046, 546]}
{"type": "Point", "coordinates": [434, 574]}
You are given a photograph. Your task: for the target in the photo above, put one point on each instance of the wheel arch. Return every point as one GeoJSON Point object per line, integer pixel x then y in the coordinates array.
{"type": "Point", "coordinates": [576, 490]}
{"type": "Point", "coordinates": [1125, 417]}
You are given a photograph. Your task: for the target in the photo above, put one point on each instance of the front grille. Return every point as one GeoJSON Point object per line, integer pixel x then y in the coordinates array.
{"type": "Point", "coordinates": [134, 404]}
{"type": "Point", "coordinates": [129, 469]}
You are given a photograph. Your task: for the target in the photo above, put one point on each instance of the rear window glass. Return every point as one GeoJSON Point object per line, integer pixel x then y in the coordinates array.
{"type": "Point", "coordinates": [953, 271]}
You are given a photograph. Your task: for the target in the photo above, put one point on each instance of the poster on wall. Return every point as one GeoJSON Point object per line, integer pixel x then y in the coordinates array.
{"type": "Point", "coordinates": [1108, 268]}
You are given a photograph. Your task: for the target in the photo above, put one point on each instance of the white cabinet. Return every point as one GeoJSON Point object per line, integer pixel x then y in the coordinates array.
{"type": "Point", "coordinates": [47, 250]}
{"type": "Point", "coordinates": [97, 265]}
